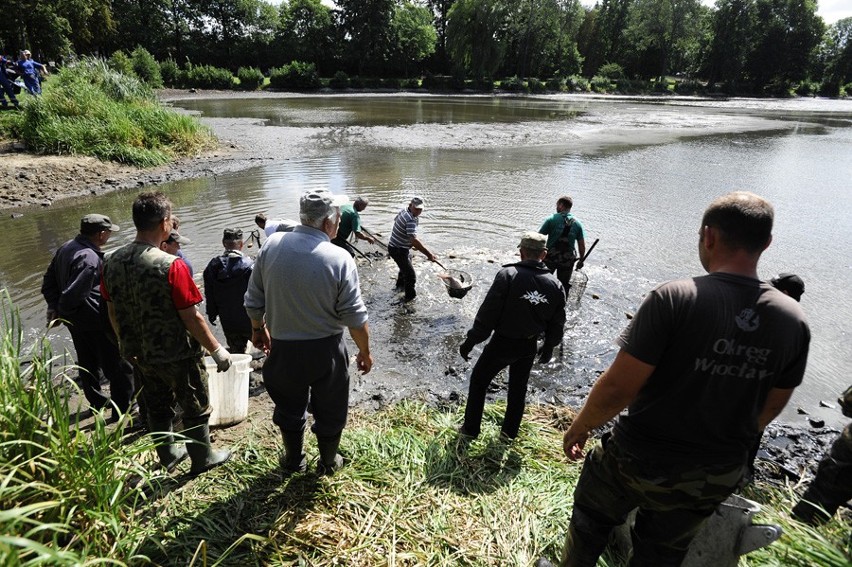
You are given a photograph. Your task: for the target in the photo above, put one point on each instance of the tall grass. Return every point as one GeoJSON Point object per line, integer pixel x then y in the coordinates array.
{"type": "Point", "coordinates": [91, 109]}
{"type": "Point", "coordinates": [65, 494]}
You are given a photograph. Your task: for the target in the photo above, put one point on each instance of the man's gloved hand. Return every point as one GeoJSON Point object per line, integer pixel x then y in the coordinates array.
{"type": "Point", "coordinates": [580, 264]}
{"type": "Point", "coordinates": [545, 354]}
{"type": "Point", "coordinates": [222, 358]}
{"type": "Point", "coordinates": [465, 348]}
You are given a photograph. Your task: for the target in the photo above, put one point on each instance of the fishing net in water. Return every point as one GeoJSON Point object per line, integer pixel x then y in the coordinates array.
{"type": "Point", "coordinates": [458, 283]}
{"type": "Point", "coordinates": [578, 288]}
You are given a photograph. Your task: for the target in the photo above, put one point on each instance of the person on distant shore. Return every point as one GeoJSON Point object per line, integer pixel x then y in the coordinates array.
{"type": "Point", "coordinates": [832, 486]}
{"type": "Point", "coordinates": [30, 71]}
{"type": "Point", "coordinates": [402, 239]}
{"type": "Point", "coordinates": [226, 279]}
{"type": "Point", "coordinates": [563, 231]}
{"type": "Point", "coordinates": [524, 301]}
{"type": "Point", "coordinates": [704, 366]}
{"type": "Point", "coordinates": [271, 226]}
{"type": "Point", "coordinates": [350, 223]}
{"type": "Point", "coordinates": [152, 305]}
{"type": "Point", "coordinates": [72, 288]}
{"type": "Point", "coordinates": [6, 85]}
{"type": "Point", "coordinates": [303, 292]}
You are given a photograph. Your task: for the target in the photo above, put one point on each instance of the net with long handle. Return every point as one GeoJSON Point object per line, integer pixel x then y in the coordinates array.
{"type": "Point", "coordinates": [578, 287]}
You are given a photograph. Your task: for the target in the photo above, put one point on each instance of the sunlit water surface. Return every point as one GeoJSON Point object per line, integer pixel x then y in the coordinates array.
{"type": "Point", "coordinates": [640, 171]}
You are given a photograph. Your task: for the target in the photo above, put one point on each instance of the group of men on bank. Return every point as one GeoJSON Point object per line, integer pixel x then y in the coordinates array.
{"type": "Point", "coordinates": [703, 367]}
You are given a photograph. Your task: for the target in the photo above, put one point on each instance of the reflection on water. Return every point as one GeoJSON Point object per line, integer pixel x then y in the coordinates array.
{"type": "Point", "coordinates": [640, 173]}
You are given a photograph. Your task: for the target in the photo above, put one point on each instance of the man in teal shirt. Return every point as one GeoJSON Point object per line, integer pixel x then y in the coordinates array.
{"type": "Point", "coordinates": [350, 222]}
{"type": "Point", "coordinates": [563, 232]}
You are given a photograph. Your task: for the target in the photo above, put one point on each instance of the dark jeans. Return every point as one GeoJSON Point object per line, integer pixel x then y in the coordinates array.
{"type": "Point", "coordinates": [674, 499]}
{"type": "Point", "coordinates": [563, 272]}
{"type": "Point", "coordinates": [96, 354]}
{"type": "Point", "coordinates": [406, 277]}
{"type": "Point", "coordinates": [317, 372]}
{"type": "Point", "coordinates": [500, 352]}
{"type": "Point", "coordinates": [236, 340]}
{"type": "Point", "coordinates": [345, 245]}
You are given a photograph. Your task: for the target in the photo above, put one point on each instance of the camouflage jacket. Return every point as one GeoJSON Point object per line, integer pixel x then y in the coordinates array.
{"type": "Point", "coordinates": [136, 277]}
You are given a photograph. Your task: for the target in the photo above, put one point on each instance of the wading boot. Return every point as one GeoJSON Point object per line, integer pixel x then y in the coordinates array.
{"type": "Point", "coordinates": [330, 459]}
{"type": "Point", "coordinates": [293, 460]}
{"type": "Point", "coordinates": [203, 456]}
{"type": "Point", "coordinates": [170, 454]}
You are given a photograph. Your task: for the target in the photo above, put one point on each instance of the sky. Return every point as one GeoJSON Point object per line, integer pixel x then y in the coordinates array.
{"type": "Point", "coordinates": [830, 10]}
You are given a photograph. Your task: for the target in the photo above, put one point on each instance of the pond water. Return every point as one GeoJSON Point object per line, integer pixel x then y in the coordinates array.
{"type": "Point", "coordinates": [641, 172]}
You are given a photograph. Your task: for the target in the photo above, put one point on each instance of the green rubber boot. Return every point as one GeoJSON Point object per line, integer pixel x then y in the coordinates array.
{"type": "Point", "coordinates": [170, 453]}
{"type": "Point", "coordinates": [330, 459]}
{"type": "Point", "coordinates": [203, 456]}
{"type": "Point", "coordinates": [293, 460]}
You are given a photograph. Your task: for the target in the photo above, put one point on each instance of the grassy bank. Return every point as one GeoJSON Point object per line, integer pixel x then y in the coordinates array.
{"type": "Point", "coordinates": [412, 493]}
{"type": "Point", "coordinates": [89, 109]}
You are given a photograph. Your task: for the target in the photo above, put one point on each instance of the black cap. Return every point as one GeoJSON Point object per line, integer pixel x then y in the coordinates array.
{"type": "Point", "coordinates": [94, 222]}
{"type": "Point", "coordinates": [791, 284]}
{"type": "Point", "coordinates": [175, 236]}
{"type": "Point", "coordinates": [232, 234]}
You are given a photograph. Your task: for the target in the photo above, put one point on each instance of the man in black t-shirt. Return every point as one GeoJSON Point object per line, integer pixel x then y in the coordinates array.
{"type": "Point", "coordinates": [703, 367]}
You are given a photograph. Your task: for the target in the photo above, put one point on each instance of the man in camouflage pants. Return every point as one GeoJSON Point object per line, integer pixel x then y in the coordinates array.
{"type": "Point", "coordinates": [832, 486]}
{"type": "Point", "coordinates": [152, 306]}
{"type": "Point", "coordinates": [704, 366]}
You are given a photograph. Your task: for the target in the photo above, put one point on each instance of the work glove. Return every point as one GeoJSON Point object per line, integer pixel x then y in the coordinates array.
{"type": "Point", "coordinates": [580, 264]}
{"type": "Point", "coordinates": [222, 358]}
{"type": "Point", "coordinates": [465, 348]}
{"type": "Point", "coordinates": [545, 354]}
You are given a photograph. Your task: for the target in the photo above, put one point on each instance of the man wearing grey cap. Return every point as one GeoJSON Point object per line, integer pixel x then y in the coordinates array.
{"type": "Point", "coordinates": [403, 238]}
{"type": "Point", "coordinates": [302, 293]}
{"type": "Point", "coordinates": [226, 279]}
{"type": "Point", "coordinates": [524, 301]}
{"type": "Point", "coordinates": [72, 289]}
{"type": "Point", "coordinates": [171, 245]}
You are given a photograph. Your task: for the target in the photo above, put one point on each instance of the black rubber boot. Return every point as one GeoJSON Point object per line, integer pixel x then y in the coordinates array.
{"type": "Point", "coordinates": [293, 460]}
{"type": "Point", "coordinates": [203, 456]}
{"type": "Point", "coordinates": [330, 459]}
{"type": "Point", "coordinates": [170, 454]}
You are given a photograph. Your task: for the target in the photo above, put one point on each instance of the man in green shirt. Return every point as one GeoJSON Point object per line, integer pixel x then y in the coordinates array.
{"type": "Point", "coordinates": [563, 232]}
{"type": "Point", "coordinates": [350, 222]}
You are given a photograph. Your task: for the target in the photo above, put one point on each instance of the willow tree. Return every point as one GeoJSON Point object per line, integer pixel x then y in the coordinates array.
{"type": "Point", "coordinates": [476, 36]}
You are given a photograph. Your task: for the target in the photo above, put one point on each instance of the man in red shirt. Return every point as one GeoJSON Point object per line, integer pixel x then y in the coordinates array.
{"type": "Point", "coordinates": [152, 306]}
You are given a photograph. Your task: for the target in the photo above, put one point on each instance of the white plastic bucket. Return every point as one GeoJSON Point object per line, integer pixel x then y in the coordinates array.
{"type": "Point", "coordinates": [229, 391]}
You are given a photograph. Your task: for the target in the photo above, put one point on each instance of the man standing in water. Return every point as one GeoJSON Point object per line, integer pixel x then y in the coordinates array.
{"type": "Point", "coordinates": [524, 301]}
{"type": "Point", "coordinates": [303, 292]}
{"type": "Point", "coordinates": [403, 238]}
{"type": "Point", "coordinates": [563, 230]}
{"type": "Point", "coordinates": [350, 223]}
{"type": "Point", "coordinates": [704, 366]}
{"type": "Point", "coordinates": [72, 288]}
{"type": "Point", "coordinates": [152, 305]}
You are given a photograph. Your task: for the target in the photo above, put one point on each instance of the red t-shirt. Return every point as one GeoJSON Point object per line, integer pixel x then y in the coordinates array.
{"type": "Point", "coordinates": [184, 291]}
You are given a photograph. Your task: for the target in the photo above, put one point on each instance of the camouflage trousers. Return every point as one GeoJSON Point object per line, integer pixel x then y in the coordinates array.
{"type": "Point", "coordinates": [183, 382]}
{"type": "Point", "coordinates": [832, 485]}
{"type": "Point", "coordinates": [673, 500]}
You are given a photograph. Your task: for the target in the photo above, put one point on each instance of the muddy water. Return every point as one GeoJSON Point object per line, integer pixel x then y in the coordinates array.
{"type": "Point", "coordinates": [640, 171]}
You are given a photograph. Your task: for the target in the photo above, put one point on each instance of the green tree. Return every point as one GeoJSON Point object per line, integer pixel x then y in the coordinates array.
{"type": "Point", "coordinates": [476, 36]}
{"type": "Point", "coordinates": [306, 33]}
{"type": "Point", "coordinates": [660, 36]}
{"type": "Point", "coordinates": [367, 25]}
{"type": "Point", "coordinates": [41, 27]}
{"type": "Point", "coordinates": [236, 27]}
{"type": "Point", "coordinates": [542, 37]}
{"type": "Point", "coordinates": [440, 9]}
{"type": "Point", "coordinates": [414, 35]}
{"type": "Point", "coordinates": [835, 53]}
{"type": "Point", "coordinates": [608, 36]}
{"type": "Point", "coordinates": [785, 35]}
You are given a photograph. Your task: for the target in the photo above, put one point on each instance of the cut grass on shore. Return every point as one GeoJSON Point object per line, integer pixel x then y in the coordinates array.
{"type": "Point", "coordinates": [412, 492]}
{"type": "Point", "coordinates": [89, 109]}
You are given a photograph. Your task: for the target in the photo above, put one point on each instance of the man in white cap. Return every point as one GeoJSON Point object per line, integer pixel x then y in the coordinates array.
{"type": "Point", "coordinates": [403, 238]}
{"type": "Point", "coordinates": [303, 292]}
{"type": "Point", "coordinates": [524, 301]}
{"type": "Point", "coordinates": [72, 288]}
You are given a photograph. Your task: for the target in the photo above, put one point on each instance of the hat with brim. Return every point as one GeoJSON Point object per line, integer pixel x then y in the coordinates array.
{"type": "Point", "coordinates": [315, 204]}
{"type": "Point", "coordinates": [94, 222]}
{"type": "Point", "coordinates": [533, 241]}
{"type": "Point", "coordinates": [791, 284]}
{"type": "Point", "coordinates": [418, 203]}
{"type": "Point", "coordinates": [174, 236]}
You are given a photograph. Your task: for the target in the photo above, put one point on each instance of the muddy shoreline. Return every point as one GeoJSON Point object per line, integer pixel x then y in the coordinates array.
{"type": "Point", "coordinates": [28, 181]}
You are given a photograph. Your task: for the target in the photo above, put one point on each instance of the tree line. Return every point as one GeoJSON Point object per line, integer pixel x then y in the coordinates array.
{"type": "Point", "coordinates": [738, 46]}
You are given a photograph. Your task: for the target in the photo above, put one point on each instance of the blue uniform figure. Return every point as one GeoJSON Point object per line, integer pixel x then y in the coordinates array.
{"type": "Point", "coordinates": [6, 85]}
{"type": "Point", "coordinates": [29, 70]}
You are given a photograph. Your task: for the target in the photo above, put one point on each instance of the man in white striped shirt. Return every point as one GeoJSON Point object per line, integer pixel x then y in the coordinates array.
{"type": "Point", "coordinates": [403, 238]}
